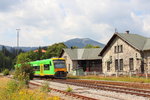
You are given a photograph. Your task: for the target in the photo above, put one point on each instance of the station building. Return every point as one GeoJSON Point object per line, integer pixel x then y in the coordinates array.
{"type": "Point", "coordinates": [125, 53]}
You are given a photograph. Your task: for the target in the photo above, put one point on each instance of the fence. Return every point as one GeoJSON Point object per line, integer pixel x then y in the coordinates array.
{"type": "Point", "coordinates": [117, 74]}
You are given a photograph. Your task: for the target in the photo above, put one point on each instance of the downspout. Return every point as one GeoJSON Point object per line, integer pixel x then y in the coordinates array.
{"type": "Point", "coordinates": [142, 61]}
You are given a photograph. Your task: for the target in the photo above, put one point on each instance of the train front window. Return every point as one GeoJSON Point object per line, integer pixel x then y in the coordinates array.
{"type": "Point", "coordinates": [59, 63]}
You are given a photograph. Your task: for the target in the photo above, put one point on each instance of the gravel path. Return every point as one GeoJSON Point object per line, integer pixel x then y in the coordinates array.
{"type": "Point", "coordinates": [93, 93]}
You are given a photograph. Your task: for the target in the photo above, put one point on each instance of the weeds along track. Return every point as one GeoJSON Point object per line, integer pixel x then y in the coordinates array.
{"type": "Point", "coordinates": [107, 87]}
{"type": "Point", "coordinates": [64, 92]}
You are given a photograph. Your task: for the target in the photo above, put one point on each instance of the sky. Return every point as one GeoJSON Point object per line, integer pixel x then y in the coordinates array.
{"type": "Point", "coordinates": [45, 22]}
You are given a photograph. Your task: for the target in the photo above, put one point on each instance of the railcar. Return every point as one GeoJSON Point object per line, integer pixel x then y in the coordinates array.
{"type": "Point", "coordinates": [54, 67]}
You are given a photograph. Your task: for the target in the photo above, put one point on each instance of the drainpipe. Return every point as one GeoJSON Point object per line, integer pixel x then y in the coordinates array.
{"type": "Point", "coordinates": [142, 61]}
{"type": "Point", "coordinates": [118, 57]}
{"type": "Point", "coordinates": [145, 67]}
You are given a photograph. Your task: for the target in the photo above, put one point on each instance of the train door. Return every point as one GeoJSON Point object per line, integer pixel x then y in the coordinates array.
{"type": "Point", "coordinates": [41, 69]}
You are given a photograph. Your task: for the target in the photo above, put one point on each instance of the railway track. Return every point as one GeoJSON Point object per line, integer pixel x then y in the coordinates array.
{"type": "Point", "coordinates": [98, 85]}
{"type": "Point", "coordinates": [81, 97]}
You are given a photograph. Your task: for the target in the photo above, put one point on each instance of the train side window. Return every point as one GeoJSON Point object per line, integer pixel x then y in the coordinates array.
{"type": "Point", "coordinates": [36, 68]}
{"type": "Point", "coordinates": [46, 67]}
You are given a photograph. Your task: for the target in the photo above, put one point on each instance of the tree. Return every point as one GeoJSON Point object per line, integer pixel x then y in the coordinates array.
{"type": "Point", "coordinates": [91, 46]}
{"type": "Point", "coordinates": [5, 61]}
{"type": "Point", "coordinates": [39, 54]}
{"type": "Point", "coordinates": [26, 57]}
{"type": "Point", "coordinates": [54, 50]}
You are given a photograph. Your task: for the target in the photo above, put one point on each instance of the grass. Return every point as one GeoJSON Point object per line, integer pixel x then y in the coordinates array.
{"type": "Point", "coordinates": [112, 78]}
{"type": "Point", "coordinates": [10, 91]}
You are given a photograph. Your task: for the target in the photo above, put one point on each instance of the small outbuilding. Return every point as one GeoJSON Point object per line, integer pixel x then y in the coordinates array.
{"type": "Point", "coordinates": [86, 59]}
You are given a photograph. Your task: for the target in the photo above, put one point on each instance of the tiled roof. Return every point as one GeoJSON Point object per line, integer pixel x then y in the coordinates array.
{"type": "Point", "coordinates": [137, 41]}
{"type": "Point", "coordinates": [147, 45]}
{"type": "Point", "coordinates": [84, 54]}
{"type": "Point", "coordinates": [41, 50]}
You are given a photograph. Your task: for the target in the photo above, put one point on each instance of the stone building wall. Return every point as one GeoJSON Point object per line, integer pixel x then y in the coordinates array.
{"type": "Point", "coordinates": [128, 52]}
{"type": "Point", "coordinates": [69, 63]}
{"type": "Point", "coordinates": [147, 61]}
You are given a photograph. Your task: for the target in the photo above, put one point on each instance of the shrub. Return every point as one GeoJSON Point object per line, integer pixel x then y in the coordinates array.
{"type": "Point", "coordinates": [12, 86]}
{"type": "Point", "coordinates": [69, 89]}
{"type": "Point", "coordinates": [24, 73]}
{"type": "Point", "coordinates": [45, 87]}
{"type": "Point", "coordinates": [6, 72]}
{"type": "Point", "coordinates": [11, 90]}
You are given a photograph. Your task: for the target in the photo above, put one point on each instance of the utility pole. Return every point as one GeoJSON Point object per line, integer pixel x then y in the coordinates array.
{"type": "Point", "coordinates": [18, 30]}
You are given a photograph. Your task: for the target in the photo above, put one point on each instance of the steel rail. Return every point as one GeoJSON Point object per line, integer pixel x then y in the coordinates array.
{"type": "Point", "coordinates": [138, 92]}
{"type": "Point", "coordinates": [66, 93]}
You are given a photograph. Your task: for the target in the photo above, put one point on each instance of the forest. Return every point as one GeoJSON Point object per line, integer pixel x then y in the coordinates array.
{"type": "Point", "coordinates": [9, 58]}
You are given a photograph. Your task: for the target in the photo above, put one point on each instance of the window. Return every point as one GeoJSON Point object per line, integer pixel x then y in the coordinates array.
{"type": "Point", "coordinates": [121, 64]}
{"type": "Point", "coordinates": [46, 67]}
{"type": "Point", "coordinates": [36, 68]}
{"type": "Point", "coordinates": [118, 49]}
{"type": "Point", "coordinates": [116, 64]}
{"type": "Point", "coordinates": [108, 66]}
{"type": "Point", "coordinates": [59, 63]}
{"type": "Point", "coordinates": [121, 48]}
{"type": "Point", "coordinates": [115, 49]}
{"type": "Point", "coordinates": [131, 64]}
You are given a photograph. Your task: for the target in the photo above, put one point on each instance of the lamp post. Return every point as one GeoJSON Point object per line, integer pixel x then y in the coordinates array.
{"type": "Point", "coordinates": [18, 40]}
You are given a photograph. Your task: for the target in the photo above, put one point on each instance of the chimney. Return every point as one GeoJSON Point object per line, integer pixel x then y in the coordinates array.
{"type": "Point", "coordinates": [127, 32]}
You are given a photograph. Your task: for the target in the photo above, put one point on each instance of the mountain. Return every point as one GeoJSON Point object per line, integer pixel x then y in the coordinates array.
{"type": "Point", "coordinates": [27, 48]}
{"type": "Point", "coordinates": [79, 42]}
{"type": "Point", "coordinates": [82, 42]}
{"type": "Point", "coordinates": [7, 47]}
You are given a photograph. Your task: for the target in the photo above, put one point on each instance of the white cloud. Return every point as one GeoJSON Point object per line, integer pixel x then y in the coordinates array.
{"type": "Point", "coordinates": [43, 22]}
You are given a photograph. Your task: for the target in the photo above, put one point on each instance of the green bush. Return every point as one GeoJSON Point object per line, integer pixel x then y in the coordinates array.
{"type": "Point", "coordinates": [6, 72]}
{"type": "Point", "coordinates": [12, 86]}
{"type": "Point", "coordinates": [45, 87]}
{"type": "Point", "coordinates": [24, 73]}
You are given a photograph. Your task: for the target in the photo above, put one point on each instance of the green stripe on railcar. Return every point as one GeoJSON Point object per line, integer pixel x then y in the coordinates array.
{"type": "Point", "coordinates": [43, 67]}
{"type": "Point", "coordinates": [49, 67]}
